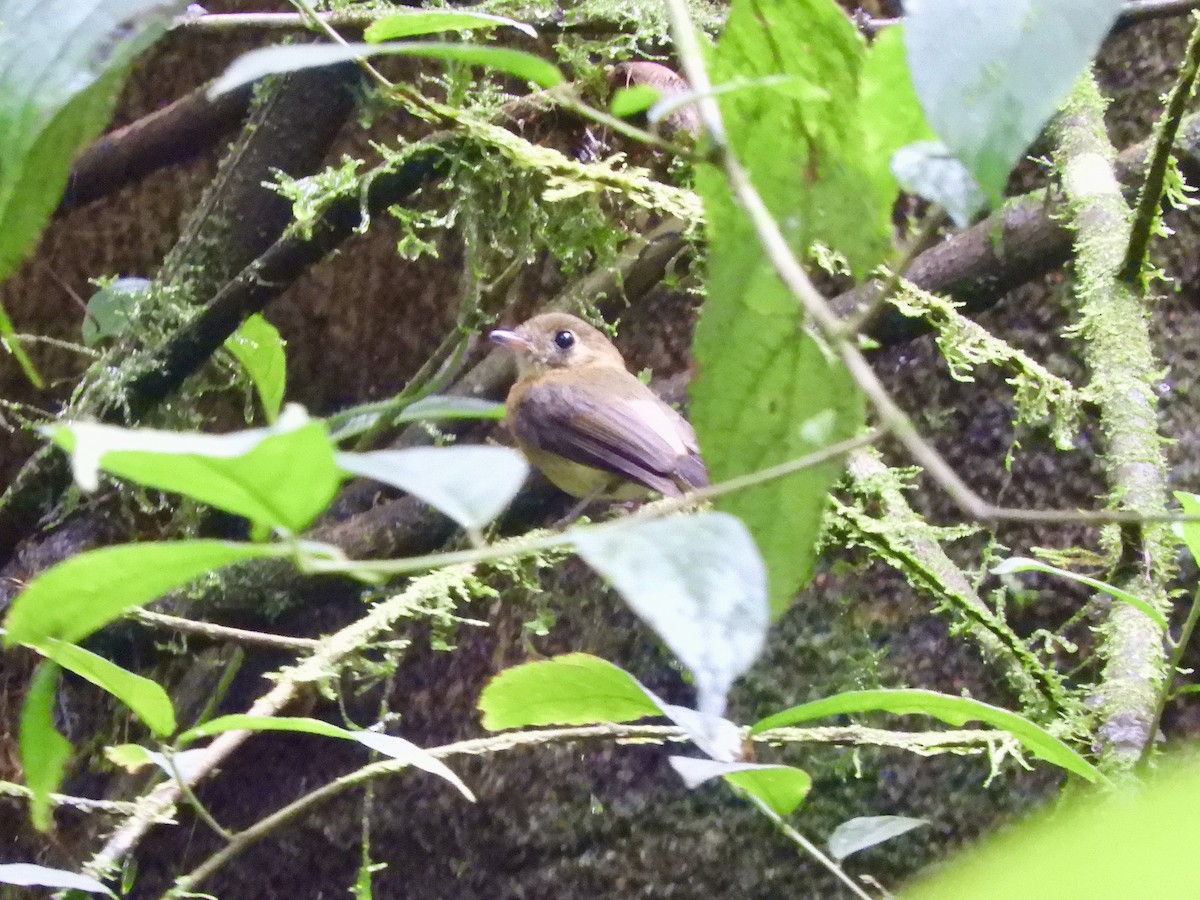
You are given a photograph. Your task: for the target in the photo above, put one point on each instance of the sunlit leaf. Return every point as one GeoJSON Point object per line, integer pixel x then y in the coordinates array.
{"type": "Point", "coordinates": [258, 348]}
{"type": "Point", "coordinates": [699, 582]}
{"type": "Point", "coordinates": [781, 788]}
{"type": "Point", "coordinates": [361, 419]}
{"type": "Point", "coordinates": [868, 831]}
{"type": "Point", "coordinates": [44, 752]}
{"type": "Point", "coordinates": [948, 708]}
{"type": "Point", "coordinates": [927, 169]}
{"type": "Point", "coordinates": [72, 599]}
{"type": "Point", "coordinates": [432, 21]}
{"type": "Point", "coordinates": [573, 689]}
{"type": "Point", "coordinates": [1190, 531]}
{"type": "Point", "coordinates": [184, 764]}
{"type": "Point", "coordinates": [294, 57]}
{"type": "Point", "coordinates": [1022, 564]}
{"type": "Point", "coordinates": [470, 484]}
{"type": "Point", "coordinates": [281, 476]}
{"type": "Point", "coordinates": [990, 75]}
{"type": "Point", "coordinates": [145, 697]}
{"type": "Point", "coordinates": [635, 98]}
{"type": "Point", "coordinates": [1101, 846]}
{"type": "Point", "coordinates": [29, 875]}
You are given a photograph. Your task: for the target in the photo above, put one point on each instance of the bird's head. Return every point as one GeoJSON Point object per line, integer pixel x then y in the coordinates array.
{"type": "Point", "coordinates": [557, 341]}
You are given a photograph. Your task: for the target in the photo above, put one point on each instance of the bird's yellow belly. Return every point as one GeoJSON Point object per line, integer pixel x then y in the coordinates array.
{"type": "Point", "coordinates": [579, 480]}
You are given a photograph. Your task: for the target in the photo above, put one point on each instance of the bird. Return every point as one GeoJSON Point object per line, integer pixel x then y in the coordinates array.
{"type": "Point", "coordinates": [591, 427]}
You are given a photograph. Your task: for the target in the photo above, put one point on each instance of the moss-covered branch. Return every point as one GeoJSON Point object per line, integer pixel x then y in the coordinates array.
{"type": "Point", "coordinates": [1112, 323]}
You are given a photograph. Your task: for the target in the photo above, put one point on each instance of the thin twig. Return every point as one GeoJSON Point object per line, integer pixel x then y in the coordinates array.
{"type": "Point", "coordinates": [809, 847]}
{"type": "Point", "coordinates": [916, 742]}
{"type": "Point", "coordinates": [225, 633]}
{"type": "Point", "coordinates": [86, 804]}
{"type": "Point", "coordinates": [1185, 636]}
{"type": "Point", "coordinates": [1150, 196]}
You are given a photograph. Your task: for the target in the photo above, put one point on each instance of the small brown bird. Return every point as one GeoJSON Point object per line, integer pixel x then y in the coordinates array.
{"type": "Point", "coordinates": [592, 427]}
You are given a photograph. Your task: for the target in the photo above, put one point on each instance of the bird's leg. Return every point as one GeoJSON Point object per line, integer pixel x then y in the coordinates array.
{"type": "Point", "coordinates": [577, 510]}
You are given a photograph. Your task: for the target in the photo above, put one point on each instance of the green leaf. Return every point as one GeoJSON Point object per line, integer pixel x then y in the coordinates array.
{"type": "Point", "coordinates": [394, 747]}
{"type": "Point", "coordinates": [699, 582]}
{"type": "Point", "coordinates": [418, 22]}
{"type": "Point", "coordinates": [1022, 564]}
{"type": "Point", "coordinates": [953, 710]}
{"type": "Point", "coordinates": [281, 476]}
{"type": "Point", "coordinates": [111, 310]}
{"type": "Point", "coordinates": [134, 757]}
{"type": "Point", "coordinates": [768, 393]}
{"type": "Point", "coordinates": [631, 100]}
{"type": "Point", "coordinates": [72, 599]}
{"type": "Point", "coordinates": [149, 701]}
{"type": "Point", "coordinates": [927, 169]}
{"type": "Point", "coordinates": [62, 63]}
{"type": "Point", "coordinates": [804, 153]}
{"type": "Point", "coordinates": [11, 344]}
{"type": "Point", "coordinates": [361, 419]}
{"type": "Point", "coordinates": [1190, 531]}
{"type": "Point", "coordinates": [781, 788]}
{"type": "Point", "coordinates": [1101, 846]}
{"type": "Point", "coordinates": [990, 75]}
{"type": "Point", "coordinates": [44, 752]}
{"type": "Point", "coordinates": [258, 348]}
{"type": "Point", "coordinates": [29, 875]}
{"type": "Point", "coordinates": [470, 484]}
{"type": "Point", "coordinates": [891, 113]}
{"type": "Point", "coordinates": [868, 831]}
{"type": "Point", "coordinates": [293, 57]}
{"type": "Point", "coordinates": [572, 689]}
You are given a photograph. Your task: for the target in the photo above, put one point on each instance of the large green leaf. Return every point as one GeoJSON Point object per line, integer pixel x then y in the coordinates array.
{"type": "Point", "coordinates": [281, 476]}
{"type": "Point", "coordinates": [573, 689]}
{"type": "Point", "coordinates": [44, 752]}
{"type": "Point", "coordinates": [1135, 842]}
{"type": "Point", "coordinates": [699, 582]}
{"type": "Point", "coordinates": [946, 707]}
{"type": "Point", "coordinates": [990, 75]}
{"type": "Point", "coordinates": [62, 63]}
{"type": "Point", "coordinates": [1022, 564]}
{"type": "Point", "coordinates": [145, 697]}
{"type": "Point", "coordinates": [70, 600]}
{"type": "Point", "coordinates": [766, 392]}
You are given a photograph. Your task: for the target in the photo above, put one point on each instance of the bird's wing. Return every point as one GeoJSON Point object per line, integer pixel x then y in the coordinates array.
{"type": "Point", "coordinates": [638, 438]}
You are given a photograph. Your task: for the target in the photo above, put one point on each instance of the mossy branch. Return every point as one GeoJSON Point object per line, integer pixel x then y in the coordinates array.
{"type": "Point", "coordinates": [1125, 374]}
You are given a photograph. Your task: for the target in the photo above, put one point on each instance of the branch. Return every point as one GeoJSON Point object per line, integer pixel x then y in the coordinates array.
{"type": "Point", "coordinates": [1149, 200]}
{"type": "Point", "coordinates": [177, 133]}
{"type": "Point", "coordinates": [921, 742]}
{"type": "Point", "coordinates": [1125, 374]}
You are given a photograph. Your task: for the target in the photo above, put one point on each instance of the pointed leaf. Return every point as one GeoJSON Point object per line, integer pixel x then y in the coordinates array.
{"type": "Point", "coordinates": [699, 582]}
{"type": "Point", "coordinates": [868, 831]}
{"type": "Point", "coordinates": [258, 348]}
{"type": "Point", "coordinates": [950, 709]}
{"type": "Point", "coordinates": [990, 75]}
{"type": "Point", "coordinates": [572, 689]}
{"type": "Point", "coordinates": [280, 477]}
{"type": "Point", "coordinates": [83, 593]}
{"type": "Point", "coordinates": [781, 788]}
{"type": "Point", "coordinates": [29, 875]}
{"type": "Point", "coordinates": [470, 484]}
{"type": "Point", "coordinates": [1022, 564]}
{"type": "Point", "coordinates": [149, 701]}
{"type": "Point", "coordinates": [1190, 531]}
{"type": "Point", "coordinates": [44, 752]}
{"type": "Point", "coordinates": [294, 57]}
{"type": "Point", "coordinates": [432, 21]}
{"type": "Point", "coordinates": [406, 751]}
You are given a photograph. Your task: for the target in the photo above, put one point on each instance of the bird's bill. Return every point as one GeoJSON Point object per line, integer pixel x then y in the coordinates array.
{"type": "Point", "coordinates": [510, 339]}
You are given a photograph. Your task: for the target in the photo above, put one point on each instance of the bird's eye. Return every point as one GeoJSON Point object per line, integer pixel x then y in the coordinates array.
{"type": "Point", "coordinates": [564, 340]}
